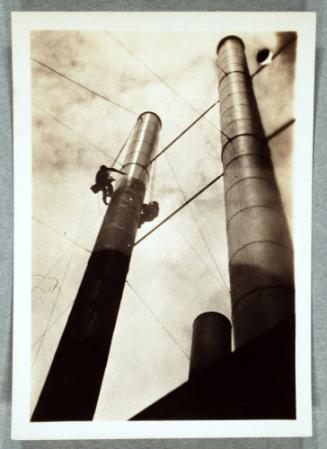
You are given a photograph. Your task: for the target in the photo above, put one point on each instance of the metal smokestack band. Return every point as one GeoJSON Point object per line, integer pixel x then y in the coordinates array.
{"type": "Point", "coordinates": [72, 387]}
{"type": "Point", "coordinates": [260, 249]}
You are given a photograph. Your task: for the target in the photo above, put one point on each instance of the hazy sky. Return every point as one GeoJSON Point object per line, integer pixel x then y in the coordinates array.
{"type": "Point", "coordinates": [181, 270]}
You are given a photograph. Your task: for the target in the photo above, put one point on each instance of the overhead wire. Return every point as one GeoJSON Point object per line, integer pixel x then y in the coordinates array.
{"type": "Point", "coordinates": [60, 234]}
{"type": "Point", "coordinates": [199, 229]}
{"type": "Point", "coordinates": [189, 244]}
{"type": "Point", "coordinates": [51, 324]}
{"type": "Point", "coordinates": [151, 187]}
{"type": "Point", "coordinates": [73, 131]}
{"type": "Point", "coordinates": [174, 91]}
{"type": "Point", "coordinates": [182, 133]}
{"type": "Point", "coordinates": [157, 319]}
{"type": "Point", "coordinates": [179, 209]}
{"type": "Point", "coordinates": [119, 152]}
{"type": "Point", "coordinates": [55, 302]}
{"type": "Point", "coordinates": [150, 70]}
{"type": "Point", "coordinates": [92, 221]}
{"type": "Point", "coordinates": [77, 83]}
{"type": "Point", "coordinates": [52, 310]}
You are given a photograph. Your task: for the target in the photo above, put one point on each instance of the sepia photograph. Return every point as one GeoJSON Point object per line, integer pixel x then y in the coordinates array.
{"type": "Point", "coordinates": [164, 272]}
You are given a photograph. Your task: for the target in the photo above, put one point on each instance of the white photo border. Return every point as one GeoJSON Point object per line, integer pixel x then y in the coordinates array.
{"type": "Point", "coordinates": [303, 23]}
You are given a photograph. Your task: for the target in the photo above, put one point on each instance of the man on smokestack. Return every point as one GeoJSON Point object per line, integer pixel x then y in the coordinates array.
{"type": "Point", "coordinates": [103, 181]}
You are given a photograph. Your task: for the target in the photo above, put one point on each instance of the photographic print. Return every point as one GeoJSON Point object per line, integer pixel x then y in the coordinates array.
{"type": "Point", "coordinates": [162, 255]}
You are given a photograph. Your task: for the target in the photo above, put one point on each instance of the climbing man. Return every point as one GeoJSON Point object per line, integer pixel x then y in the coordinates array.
{"type": "Point", "coordinates": [149, 212]}
{"type": "Point", "coordinates": [103, 181]}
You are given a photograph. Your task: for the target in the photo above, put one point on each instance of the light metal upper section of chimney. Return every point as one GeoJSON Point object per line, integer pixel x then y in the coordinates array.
{"type": "Point", "coordinates": [141, 147]}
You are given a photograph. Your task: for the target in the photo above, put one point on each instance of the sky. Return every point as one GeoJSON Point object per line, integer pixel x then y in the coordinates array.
{"type": "Point", "coordinates": [88, 89]}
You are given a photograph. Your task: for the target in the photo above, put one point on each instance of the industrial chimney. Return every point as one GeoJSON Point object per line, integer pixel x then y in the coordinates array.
{"type": "Point", "coordinates": [260, 249]}
{"type": "Point", "coordinates": [74, 380]}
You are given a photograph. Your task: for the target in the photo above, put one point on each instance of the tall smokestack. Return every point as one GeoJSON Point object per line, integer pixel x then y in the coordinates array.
{"type": "Point", "coordinates": [260, 250]}
{"type": "Point", "coordinates": [74, 380]}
